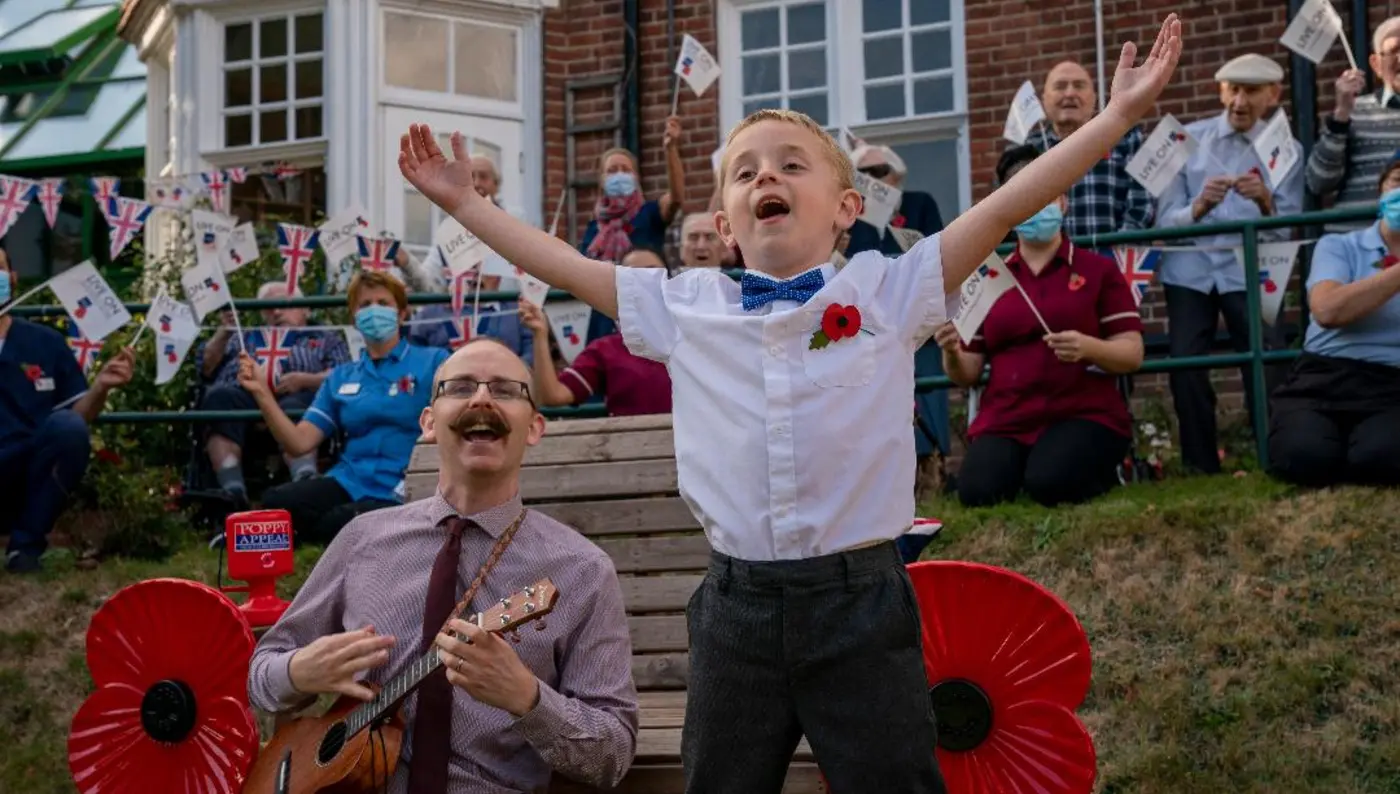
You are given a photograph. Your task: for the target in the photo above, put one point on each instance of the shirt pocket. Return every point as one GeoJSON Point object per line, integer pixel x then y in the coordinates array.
{"type": "Point", "coordinates": [847, 362]}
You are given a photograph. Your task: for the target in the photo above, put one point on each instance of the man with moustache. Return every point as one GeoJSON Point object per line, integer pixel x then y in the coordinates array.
{"type": "Point", "coordinates": [497, 717]}
{"type": "Point", "coordinates": [1107, 199]}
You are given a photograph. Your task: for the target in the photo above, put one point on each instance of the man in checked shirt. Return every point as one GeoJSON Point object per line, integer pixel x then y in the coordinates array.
{"type": "Point", "coordinates": [1106, 200]}
{"type": "Point", "coordinates": [501, 717]}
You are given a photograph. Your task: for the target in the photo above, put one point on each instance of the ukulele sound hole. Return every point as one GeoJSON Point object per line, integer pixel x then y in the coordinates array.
{"type": "Point", "coordinates": [331, 744]}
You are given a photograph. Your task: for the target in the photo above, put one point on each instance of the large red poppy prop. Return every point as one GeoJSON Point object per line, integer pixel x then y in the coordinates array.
{"type": "Point", "coordinates": [169, 658]}
{"type": "Point", "coordinates": [1008, 663]}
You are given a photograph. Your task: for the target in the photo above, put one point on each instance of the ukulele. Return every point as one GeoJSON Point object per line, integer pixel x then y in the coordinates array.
{"type": "Point", "coordinates": [354, 747]}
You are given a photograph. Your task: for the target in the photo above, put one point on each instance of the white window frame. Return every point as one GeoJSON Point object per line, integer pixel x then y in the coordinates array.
{"type": "Point", "coordinates": [846, 83]}
{"type": "Point", "coordinates": [210, 26]}
{"type": "Point", "coordinates": [449, 101]}
{"type": "Point", "coordinates": [527, 20]}
{"type": "Point", "coordinates": [732, 60]}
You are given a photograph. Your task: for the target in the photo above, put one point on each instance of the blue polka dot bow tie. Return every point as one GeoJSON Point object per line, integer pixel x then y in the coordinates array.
{"type": "Point", "coordinates": [758, 290]}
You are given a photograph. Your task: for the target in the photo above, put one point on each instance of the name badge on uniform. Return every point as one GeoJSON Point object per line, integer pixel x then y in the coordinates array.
{"type": "Point", "coordinates": [349, 389]}
{"type": "Point", "coordinates": [43, 384]}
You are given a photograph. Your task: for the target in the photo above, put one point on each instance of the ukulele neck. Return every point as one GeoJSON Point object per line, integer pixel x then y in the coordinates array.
{"type": "Point", "coordinates": [393, 693]}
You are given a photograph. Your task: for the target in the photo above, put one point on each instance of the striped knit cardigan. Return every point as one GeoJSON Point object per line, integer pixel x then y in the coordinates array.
{"type": "Point", "coordinates": [1348, 158]}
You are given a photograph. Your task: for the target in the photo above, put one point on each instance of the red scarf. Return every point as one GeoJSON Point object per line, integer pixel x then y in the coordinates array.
{"type": "Point", "coordinates": [614, 215]}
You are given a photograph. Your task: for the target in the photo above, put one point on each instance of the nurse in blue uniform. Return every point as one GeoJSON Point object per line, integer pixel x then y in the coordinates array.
{"type": "Point", "coordinates": [374, 401]}
{"type": "Point", "coordinates": [45, 406]}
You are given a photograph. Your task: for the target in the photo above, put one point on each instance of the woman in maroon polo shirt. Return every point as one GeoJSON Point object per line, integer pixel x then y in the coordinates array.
{"type": "Point", "coordinates": [1051, 420]}
{"type": "Point", "coordinates": [630, 385]}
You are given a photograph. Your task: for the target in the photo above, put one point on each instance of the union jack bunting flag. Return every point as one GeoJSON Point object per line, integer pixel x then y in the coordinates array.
{"type": "Point", "coordinates": [125, 217]}
{"type": "Point", "coordinates": [216, 182]}
{"type": "Point", "coordinates": [377, 253]}
{"type": "Point", "coordinates": [49, 194]}
{"type": "Point", "coordinates": [297, 244]}
{"type": "Point", "coordinates": [1139, 266]}
{"type": "Point", "coordinates": [14, 200]}
{"type": "Point", "coordinates": [104, 188]}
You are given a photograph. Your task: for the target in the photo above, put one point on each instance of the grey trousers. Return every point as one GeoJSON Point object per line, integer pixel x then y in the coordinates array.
{"type": "Point", "coordinates": [827, 647]}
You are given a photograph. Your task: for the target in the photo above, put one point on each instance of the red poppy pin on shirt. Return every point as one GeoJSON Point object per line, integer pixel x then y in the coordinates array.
{"type": "Point", "coordinates": [838, 322]}
{"type": "Point", "coordinates": [1076, 282]}
{"type": "Point", "coordinates": [1385, 264]}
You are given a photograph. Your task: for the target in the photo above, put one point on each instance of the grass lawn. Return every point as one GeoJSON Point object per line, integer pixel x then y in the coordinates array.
{"type": "Point", "coordinates": [1245, 635]}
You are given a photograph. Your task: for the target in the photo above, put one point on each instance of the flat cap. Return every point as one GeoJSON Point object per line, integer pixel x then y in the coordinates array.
{"type": "Point", "coordinates": [1250, 69]}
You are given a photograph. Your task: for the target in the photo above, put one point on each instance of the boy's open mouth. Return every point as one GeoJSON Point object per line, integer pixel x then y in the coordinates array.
{"type": "Point", "coordinates": [770, 207]}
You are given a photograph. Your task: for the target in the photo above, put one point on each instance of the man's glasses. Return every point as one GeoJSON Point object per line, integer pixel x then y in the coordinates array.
{"type": "Point", "coordinates": [466, 388]}
{"type": "Point", "coordinates": [877, 171]}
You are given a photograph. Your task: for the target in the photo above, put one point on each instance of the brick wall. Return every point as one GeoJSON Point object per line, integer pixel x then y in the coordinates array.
{"type": "Point", "coordinates": [586, 38]}
{"type": "Point", "coordinates": [1007, 42]}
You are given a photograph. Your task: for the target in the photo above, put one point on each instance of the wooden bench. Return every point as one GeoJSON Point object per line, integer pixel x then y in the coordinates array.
{"type": "Point", "coordinates": [614, 480]}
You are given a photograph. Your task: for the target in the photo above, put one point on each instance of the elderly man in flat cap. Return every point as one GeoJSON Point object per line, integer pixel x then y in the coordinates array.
{"type": "Point", "coordinates": [1362, 131]}
{"type": "Point", "coordinates": [1223, 181]}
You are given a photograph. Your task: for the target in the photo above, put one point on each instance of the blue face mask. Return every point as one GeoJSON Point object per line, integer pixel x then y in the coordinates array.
{"type": "Point", "coordinates": [1390, 209]}
{"type": "Point", "coordinates": [5, 287]}
{"type": "Point", "coordinates": [1042, 226]}
{"type": "Point", "coordinates": [620, 184]}
{"type": "Point", "coordinates": [377, 323]}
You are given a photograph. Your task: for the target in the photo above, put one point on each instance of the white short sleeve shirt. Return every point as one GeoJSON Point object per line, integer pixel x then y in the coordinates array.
{"type": "Point", "coordinates": [786, 450]}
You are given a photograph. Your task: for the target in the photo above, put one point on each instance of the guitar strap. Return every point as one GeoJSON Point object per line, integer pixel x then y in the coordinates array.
{"type": "Point", "coordinates": [491, 560]}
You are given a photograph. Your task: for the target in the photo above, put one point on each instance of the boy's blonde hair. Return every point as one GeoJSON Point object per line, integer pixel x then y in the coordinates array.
{"type": "Point", "coordinates": [835, 155]}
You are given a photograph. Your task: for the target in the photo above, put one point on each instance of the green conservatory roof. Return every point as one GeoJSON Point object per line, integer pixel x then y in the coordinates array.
{"type": "Point", "coordinates": [71, 92]}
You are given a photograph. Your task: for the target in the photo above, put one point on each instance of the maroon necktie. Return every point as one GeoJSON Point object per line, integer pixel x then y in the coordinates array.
{"type": "Point", "coordinates": [432, 724]}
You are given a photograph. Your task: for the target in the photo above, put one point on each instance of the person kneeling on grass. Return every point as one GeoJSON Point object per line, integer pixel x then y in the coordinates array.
{"type": "Point", "coordinates": [1051, 420]}
{"type": "Point", "coordinates": [1336, 419]}
{"type": "Point", "coordinates": [46, 404]}
{"type": "Point", "coordinates": [791, 416]}
{"type": "Point", "coordinates": [375, 401]}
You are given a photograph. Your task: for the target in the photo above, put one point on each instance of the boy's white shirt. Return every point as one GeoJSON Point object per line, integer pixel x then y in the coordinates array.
{"type": "Point", "coordinates": [785, 452]}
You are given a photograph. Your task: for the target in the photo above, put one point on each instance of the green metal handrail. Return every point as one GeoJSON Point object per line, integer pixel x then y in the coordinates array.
{"type": "Point", "coordinates": [1256, 358]}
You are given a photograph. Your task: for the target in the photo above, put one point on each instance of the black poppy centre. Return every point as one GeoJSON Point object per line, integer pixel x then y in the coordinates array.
{"type": "Point", "coordinates": [963, 713]}
{"type": "Point", "coordinates": [168, 711]}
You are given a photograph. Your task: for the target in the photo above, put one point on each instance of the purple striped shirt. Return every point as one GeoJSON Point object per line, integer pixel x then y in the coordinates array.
{"type": "Point", "coordinates": [376, 571]}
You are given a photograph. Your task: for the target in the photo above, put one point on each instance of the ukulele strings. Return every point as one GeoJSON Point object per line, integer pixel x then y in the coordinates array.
{"type": "Point", "coordinates": [378, 751]}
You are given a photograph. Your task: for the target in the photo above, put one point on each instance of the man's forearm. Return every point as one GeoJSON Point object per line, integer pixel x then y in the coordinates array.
{"type": "Point", "coordinates": [583, 742]}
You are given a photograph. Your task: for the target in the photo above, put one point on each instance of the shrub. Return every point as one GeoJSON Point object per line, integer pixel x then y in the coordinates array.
{"type": "Point", "coordinates": [123, 507]}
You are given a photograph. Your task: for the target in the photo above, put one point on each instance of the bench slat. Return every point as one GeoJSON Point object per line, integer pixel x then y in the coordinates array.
{"type": "Point", "coordinates": [661, 671]}
{"type": "Point", "coordinates": [607, 424]}
{"type": "Point", "coordinates": [644, 594]}
{"type": "Point", "coordinates": [623, 516]}
{"type": "Point", "coordinates": [664, 744]}
{"type": "Point", "coordinates": [659, 633]}
{"type": "Point", "coordinates": [661, 709]}
{"type": "Point", "coordinates": [577, 481]}
{"type": "Point", "coordinates": [802, 778]}
{"type": "Point", "coordinates": [573, 448]}
{"type": "Point", "coordinates": [658, 553]}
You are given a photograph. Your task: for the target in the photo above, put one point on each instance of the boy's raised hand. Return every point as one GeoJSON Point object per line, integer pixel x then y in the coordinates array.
{"type": "Point", "coordinates": [446, 183]}
{"type": "Point", "coordinates": [1136, 88]}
